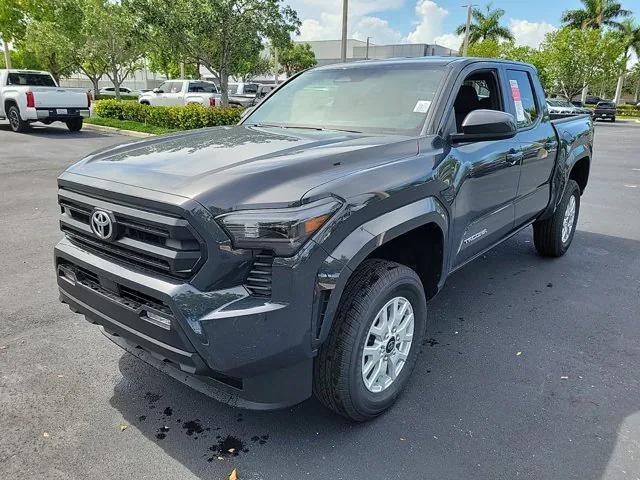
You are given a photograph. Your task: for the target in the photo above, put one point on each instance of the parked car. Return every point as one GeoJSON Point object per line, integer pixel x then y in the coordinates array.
{"type": "Point", "coordinates": [295, 252]}
{"type": "Point", "coordinates": [28, 96]}
{"type": "Point", "coordinates": [604, 111]}
{"type": "Point", "coordinates": [182, 92]}
{"type": "Point", "coordinates": [251, 100]}
{"type": "Point", "coordinates": [111, 92]}
{"type": "Point", "coordinates": [580, 108]}
{"type": "Point", "coordinates": [561, 108]}
{"type": "Point", "coordinates": [593, 100]}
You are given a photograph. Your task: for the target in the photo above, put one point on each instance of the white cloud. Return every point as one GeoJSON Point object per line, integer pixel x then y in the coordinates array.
{"type": "Point", "coordinates": [529, 33]}
{"type": "Point", "coordinates": [429, 26]}
{"type": "Point", "coordinates": [376, 28]}
{"type": "Point", "coordinates": [322, 20]}
{"type": "Point", "coordinates": [449, 40]}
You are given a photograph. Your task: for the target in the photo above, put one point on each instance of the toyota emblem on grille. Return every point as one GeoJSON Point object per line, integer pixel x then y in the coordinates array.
{"type": "Point", "coordinates": [103, 225]}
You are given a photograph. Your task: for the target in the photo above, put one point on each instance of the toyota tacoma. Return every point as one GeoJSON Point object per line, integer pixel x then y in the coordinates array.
{"type": "Point", "coordinates": [295, 253]}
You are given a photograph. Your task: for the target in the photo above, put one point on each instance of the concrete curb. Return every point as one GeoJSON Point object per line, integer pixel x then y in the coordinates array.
{"type": "Point", "coordinates": [129, 133]}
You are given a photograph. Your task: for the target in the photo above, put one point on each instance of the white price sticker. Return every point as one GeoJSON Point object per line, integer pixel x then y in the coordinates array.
{"type": "Point", "coordinates": [422, 106]}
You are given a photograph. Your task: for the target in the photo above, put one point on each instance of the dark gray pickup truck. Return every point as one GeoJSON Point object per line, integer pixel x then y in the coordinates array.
{"type": "Point", "coordinates": [295, 253]}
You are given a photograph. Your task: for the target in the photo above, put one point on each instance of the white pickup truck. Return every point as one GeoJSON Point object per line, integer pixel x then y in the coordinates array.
{"type": "Point", "coordinates": [182, 92]}
{"type": "Point", "coordinates": [28, 96]}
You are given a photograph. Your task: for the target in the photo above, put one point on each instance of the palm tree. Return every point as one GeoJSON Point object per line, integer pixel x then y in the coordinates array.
{"type": "Point", "coordinates": [486, 26]}
{"type": "Point", "coordinates": [630, 32]}
{"type": "Point", "coordinates": [595, 14]}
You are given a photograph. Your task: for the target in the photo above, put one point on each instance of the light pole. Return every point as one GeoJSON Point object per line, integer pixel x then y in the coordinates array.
{"type": "Point", "coordinates": [7, 54]}
{"type": "Point", "coordinates": [366, 52]}
{"type": "Point", "coordinates": [465, 47]}
{"type": "Point", "coordinates": [345, 14]}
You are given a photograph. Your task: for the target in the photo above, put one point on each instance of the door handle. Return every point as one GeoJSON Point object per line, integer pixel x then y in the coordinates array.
{"type": "Point", "coordinates": [513, 157]}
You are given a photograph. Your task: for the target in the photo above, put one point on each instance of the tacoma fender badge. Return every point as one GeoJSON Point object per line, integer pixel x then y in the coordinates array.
{"type": "Point", "coordinates": [474, 237]}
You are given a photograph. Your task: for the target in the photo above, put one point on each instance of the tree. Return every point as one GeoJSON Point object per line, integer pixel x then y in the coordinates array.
{"type": "Point", "coordinates": [117, 40]}
{"type": "Point", "coordinates": [511, 51]}
{"type": "Point", "coordinates": [485, 49]}
{"type": "Point", "coordinates": [595, 14]}
{"type": "Point", "coordinates": [486, 26]}
{"type": "Point", "coordinates": [296, 57]}
{"type": "Point", "coordinates": [53, 34]}
{"type": "Point", "coordinates": [12, 25]}
{"type": "Point", "coordinates": [630, 36]}
{"type": "Point", "coordinates": [250, 67]}
{"type": "Point", "coordinates": [220, 34]}
{"type": "Point", "coordinates": [576, 58]}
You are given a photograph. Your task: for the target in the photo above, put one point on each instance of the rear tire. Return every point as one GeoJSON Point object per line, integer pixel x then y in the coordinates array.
{"type": "Point", "coordinates": [75, 124]}
{"type": "Point", "coordinates": [552, 237]}
{"type": "Point", "coordinates": [613, 119]}
{"type": "Point", "coordinates": [15, 121]}
{"type": "Point", "coordinates": [378, 290]}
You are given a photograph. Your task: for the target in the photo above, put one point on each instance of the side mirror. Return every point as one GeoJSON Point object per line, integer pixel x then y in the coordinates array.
{"type": "Point", "coordinates": [482, 125]}
{"type": "Point", "coordinates": [157, 90]}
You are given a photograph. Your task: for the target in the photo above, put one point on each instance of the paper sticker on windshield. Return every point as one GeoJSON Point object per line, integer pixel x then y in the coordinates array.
{"type": "Point", "coordinates": [517, 99]}
{"type": "Point", "coordinates": [422, 106]}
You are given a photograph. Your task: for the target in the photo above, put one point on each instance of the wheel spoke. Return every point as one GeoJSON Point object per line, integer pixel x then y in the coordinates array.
{"type": "Point", "coordinates": [373, 379]}
{"type": "Point", "coordinates": [393, 367]}
{"type": "Point", "coordinates": [388, 344]}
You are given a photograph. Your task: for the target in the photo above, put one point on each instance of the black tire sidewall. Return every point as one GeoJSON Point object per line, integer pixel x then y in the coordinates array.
{"type": "Point", "coordinates": [75, 124]}
{"type": "Point", "coordinates": [370, 404]}
{"type": "Point", "coordinates": [13, 110]}
{"type": "Point", "coordinates": [572, 191]}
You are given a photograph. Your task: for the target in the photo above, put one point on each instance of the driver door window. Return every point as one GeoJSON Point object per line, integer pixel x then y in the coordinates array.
{"type": "Point", "coordinates": [480, 90]}
{"type": "Point", "coordinates": [174, 95]}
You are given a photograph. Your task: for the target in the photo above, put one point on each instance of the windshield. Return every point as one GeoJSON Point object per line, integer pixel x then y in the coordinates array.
{"type": "Point", "coordinates": [373, 98]}
{"type": "Point", "coordinates": [31, 79]}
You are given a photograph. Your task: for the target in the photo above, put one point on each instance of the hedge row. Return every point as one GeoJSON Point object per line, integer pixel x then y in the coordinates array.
{"type": "Point", "coordinates": [628, 111]}
{"type": "Point", "coordinates": [178, 118]}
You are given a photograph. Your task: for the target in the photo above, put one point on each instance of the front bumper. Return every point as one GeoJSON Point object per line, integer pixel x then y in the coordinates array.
{"type": "Point", "coordinates": [243, 350]}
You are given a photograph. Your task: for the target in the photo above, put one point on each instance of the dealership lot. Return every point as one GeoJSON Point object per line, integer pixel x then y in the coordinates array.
{"type": "Point", "coordinates": [529, 369]}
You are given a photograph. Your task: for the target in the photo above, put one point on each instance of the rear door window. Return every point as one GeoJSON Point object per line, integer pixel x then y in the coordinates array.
{"type": "Point", "coordinates": [523, 98]}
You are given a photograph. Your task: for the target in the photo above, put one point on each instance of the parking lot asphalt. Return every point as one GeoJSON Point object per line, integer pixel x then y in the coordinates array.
{"type": "Point", "coordinates": [530, 368]}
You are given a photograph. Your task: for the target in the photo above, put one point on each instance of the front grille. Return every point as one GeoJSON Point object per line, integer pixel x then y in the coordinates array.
{"type": "Point", "coordinates": [258, 281]}
{"type": "Point", "coordinates": [160, 242]}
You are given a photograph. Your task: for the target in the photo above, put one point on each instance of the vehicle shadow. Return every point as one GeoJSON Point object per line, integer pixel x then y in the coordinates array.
{"type": "Point", "coordinates": [54, 131]}
{"type": "Point", "coordinates": [520, 376]}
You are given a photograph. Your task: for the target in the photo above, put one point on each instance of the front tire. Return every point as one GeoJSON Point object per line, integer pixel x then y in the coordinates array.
{"type": "Point", "coordinates": [553, 236]}
{"type": "Point", "coordinates": [367, 360]}
{"type": "Point", "coordinates": [75, 124]}
{"type": "Point", "coordinates": [15, 121]}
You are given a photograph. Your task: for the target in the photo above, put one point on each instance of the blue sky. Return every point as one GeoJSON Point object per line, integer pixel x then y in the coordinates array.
{"type": "Point", "coordinates": [429, 21]}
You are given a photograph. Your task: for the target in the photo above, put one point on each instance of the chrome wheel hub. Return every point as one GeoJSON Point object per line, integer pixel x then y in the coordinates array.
{"type": "Point", "coordinates": [387, 344]}
{"type": "Point", "coordinates": [569, 218]}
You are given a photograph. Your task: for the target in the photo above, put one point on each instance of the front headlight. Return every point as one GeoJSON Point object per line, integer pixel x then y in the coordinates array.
{"type": "Point", "coordinates": [282, 230]}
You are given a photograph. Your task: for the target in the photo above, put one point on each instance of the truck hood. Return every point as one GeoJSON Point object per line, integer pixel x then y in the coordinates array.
{"type": "Point", "coordinates": [226, 168]}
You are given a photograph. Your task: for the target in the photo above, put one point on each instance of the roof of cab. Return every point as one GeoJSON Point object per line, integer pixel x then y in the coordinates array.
{"type": "Point", "coordinates": [460, 62]}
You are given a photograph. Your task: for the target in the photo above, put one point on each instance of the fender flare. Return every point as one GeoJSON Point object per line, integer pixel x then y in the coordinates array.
{"type": "Point", "coordinates": [337, 268]}
{"type": "Point", "coordinates": [561, 175]}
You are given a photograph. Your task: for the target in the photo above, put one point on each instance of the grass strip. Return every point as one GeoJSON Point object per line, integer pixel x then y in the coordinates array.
{"type": "Point", "coordinates": [128, 125]}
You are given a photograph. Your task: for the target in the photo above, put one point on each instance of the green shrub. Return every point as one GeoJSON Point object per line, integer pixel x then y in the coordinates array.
{"type": "Point", "coordinates": [178, 118]}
